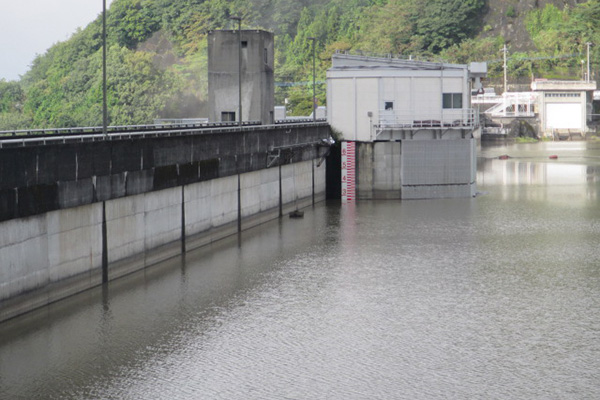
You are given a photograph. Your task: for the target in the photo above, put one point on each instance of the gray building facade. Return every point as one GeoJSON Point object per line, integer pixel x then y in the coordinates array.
{"type": "Point", "coordinates": [258, 86]}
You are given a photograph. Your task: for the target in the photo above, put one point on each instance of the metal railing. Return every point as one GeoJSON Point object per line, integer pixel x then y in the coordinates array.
{"type": "Point", "coordinates": [294, 120]}
{"type": "Point", "coordinates": [517, 104]}
{"type": "Point", "coordinates": [486, 99]}
{"type": "Point", "coordinates": [92, 130]}
{"type": "Point", "coordinates": [180, 121]}
{"type": "Point", "coordinates": [70, 135]}
{"type": "Point", "coordinates": [448, 118]}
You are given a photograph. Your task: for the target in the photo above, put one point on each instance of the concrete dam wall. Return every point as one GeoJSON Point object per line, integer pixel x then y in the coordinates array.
{"type": "Point", "coordinates": [77, 214]}
{"type": "Point", "coordinates": [416, 169]}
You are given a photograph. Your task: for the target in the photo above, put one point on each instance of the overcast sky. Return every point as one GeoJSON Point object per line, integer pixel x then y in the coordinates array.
{"type": "Point", "coordinates": [30, 27]}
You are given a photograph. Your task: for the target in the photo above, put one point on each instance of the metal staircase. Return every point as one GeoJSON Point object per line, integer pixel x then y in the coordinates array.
{"type": "Point", "coordinates": [513, 105]}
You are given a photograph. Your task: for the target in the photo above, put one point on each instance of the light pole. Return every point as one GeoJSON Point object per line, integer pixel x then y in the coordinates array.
{"type": "Point", "coordinates": [587, 79]}
{"type": "Point", "coordinates": [314, 100]}
{"type": "Point", "coordinates": [239, 20]}
{"type": "Point", "coordinates": [505, 51]}
{"type": "Point", "coordinates": [104, 106]}
{"type": "Point", "coordinates": [105, 135]}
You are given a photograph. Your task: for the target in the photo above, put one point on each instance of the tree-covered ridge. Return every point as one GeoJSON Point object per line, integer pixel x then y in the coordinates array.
{"type": "Point", "coordinates": [157, 52]}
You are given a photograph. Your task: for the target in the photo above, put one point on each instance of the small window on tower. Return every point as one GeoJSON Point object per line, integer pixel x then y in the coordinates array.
{"type": "Point", "coordinates": [244, 44]}
{"type": "Point", "coordinates": [266, 56]}
{"type": "Point", "coordinates": [389, 105]}
{"type": "Point", "coordinates": [227, 116]}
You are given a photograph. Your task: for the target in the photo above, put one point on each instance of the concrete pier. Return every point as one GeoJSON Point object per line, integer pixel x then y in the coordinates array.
{"type": "Point", "coordinates": [416, 169]}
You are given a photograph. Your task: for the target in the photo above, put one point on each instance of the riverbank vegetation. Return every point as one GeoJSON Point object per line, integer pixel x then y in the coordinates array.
{"type": "Point", "coordinates": [157, 52]}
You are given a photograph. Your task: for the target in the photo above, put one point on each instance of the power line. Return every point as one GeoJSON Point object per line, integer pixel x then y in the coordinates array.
{"type": "Point", "coordinates": [536, 58]}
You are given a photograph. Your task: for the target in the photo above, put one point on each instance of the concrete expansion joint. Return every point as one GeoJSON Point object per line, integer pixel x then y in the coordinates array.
{"type": "Point", "coordinates": [439, 184]}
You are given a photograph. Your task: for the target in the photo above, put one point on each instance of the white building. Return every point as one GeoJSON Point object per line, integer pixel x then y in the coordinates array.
{"type": "Point", "coordinates": [564, 107]}
{"type": "Point", "coordinates": [389, 96]}
{"type": "Point", "coordinates": [411, 123]}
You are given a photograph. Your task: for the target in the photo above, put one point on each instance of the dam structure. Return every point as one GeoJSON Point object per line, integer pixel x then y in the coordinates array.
{"type": "Point", "coordinates": [407, 126]}
{"type": "Point", "coordinates": [81, 209]}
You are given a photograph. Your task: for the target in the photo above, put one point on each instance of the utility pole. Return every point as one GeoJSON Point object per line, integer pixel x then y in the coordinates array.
{"type": "Point", "coordinates": [104, 106]}
{"type": "Point", "coordinates": [505, 51]}
{"type": "Point", "coordinates": [105, 135]}
{"type": "Point", "coordinates": [587, 78]}
{"type": "Point", "coordinates": [314, 100]}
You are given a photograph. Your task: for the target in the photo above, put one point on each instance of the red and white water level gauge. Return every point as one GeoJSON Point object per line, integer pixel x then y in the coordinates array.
{"type": "Point", "coordinates": [348, 172]}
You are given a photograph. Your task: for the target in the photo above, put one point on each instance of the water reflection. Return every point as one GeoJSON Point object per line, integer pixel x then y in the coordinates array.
{"type": "Point", "coordinates": [515, 172]}
{"type": "Point", "coordinates": [572, 177]}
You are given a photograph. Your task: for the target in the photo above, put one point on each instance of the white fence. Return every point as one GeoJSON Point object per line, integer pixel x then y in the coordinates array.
{"type": "Point", "coordinates": [448, 118]}
{"type": "Point", "coordinates": [518, 104]}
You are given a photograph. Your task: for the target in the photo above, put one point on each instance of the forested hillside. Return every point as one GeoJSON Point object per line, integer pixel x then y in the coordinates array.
{"type": "Point", "coordinates": [157, 50]}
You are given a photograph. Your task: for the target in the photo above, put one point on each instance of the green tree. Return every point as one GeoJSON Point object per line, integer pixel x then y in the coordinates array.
{"type": "Point", "coordinates": [10, 121]}
{"type": "Point", "coordinates": [132, 21]}
{"type": "Point", "coordinates": [442, 23]}
{"type": "Point", "coordinates": [138, 89]}
{"type": "Point", "coordinates": [12, 96]}
{"type": "Point", "coordinates": [389, 28]}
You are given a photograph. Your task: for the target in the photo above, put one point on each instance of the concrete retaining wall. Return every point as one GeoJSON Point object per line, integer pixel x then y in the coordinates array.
{"type": "Point", "coordinates": [438, 168]}
{"type": "Point", "coordinates": [50, 256]}
{"type": "Point", "coordinates": [36, 178]}
{"type": "Point", "coordinates": [379, 170]}
{"type": "Point", "coordinates": [40, 251]}
{"type": "Point", "coordinates": [78, 213]}
{"type": "Point", "coordinates": [416, 169]}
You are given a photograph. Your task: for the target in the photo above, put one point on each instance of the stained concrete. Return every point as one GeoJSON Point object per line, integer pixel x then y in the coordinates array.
{"type": "Point", "coordinates": [49, 256]}
{"type": "Point", "coordinates": [416, 169]}
{"type": "Point", "coordinates": [52, 199]}
{"type": "Point", "coordinates": [42, 178]}
{"type": "Point", "coordinates": [257, 67]}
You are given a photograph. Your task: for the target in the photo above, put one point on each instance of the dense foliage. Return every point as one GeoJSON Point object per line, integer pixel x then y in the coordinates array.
{"type": "Point", "coordinates": [157, 52]}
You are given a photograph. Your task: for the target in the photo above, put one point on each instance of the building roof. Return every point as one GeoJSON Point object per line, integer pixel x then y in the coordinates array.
{"type": "Point", "coordinates": [351, 62]}
{"type": "Point", "coordinates": [544, 85]}
{"type": "Point", "coordinates": [348, 61]}
{"type": "Point", "coordinates": [229, 31]}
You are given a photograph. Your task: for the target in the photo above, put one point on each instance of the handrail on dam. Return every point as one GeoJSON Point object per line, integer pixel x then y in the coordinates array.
{"type": "Point", "coordinates": [85, 134]}
{"type": "Point", "coordinates": [116, 128]}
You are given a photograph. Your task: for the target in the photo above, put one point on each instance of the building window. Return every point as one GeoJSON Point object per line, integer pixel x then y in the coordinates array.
{"type": "Point", "coordinates": [244, 44]}
{"type": "Point", "coordinates": [452, 100]}
{"type": "Point", "coordinates": [388, 106]}
{"type": "Point", "coordinates": [227, 116]}
{"type": "Point", "coordinates": [549, 94]}
{"type": "Point", "coordinates": [266, 52]}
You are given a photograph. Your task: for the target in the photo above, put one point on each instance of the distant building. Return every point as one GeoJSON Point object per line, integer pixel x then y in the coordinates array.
{"type": "Point", "coordinates": [258, 87]}
{"type": "Point", "coordinates": [411, 123]}
{"type": "Point", "coordinates": [564, 107]}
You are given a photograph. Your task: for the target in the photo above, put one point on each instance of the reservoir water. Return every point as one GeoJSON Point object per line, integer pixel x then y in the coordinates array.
{"type": "Point", "coordinates": [493, 297]}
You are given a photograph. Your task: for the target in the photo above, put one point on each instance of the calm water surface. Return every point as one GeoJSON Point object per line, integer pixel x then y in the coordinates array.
{"type": "Point", "coordinates": [495, 297]}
